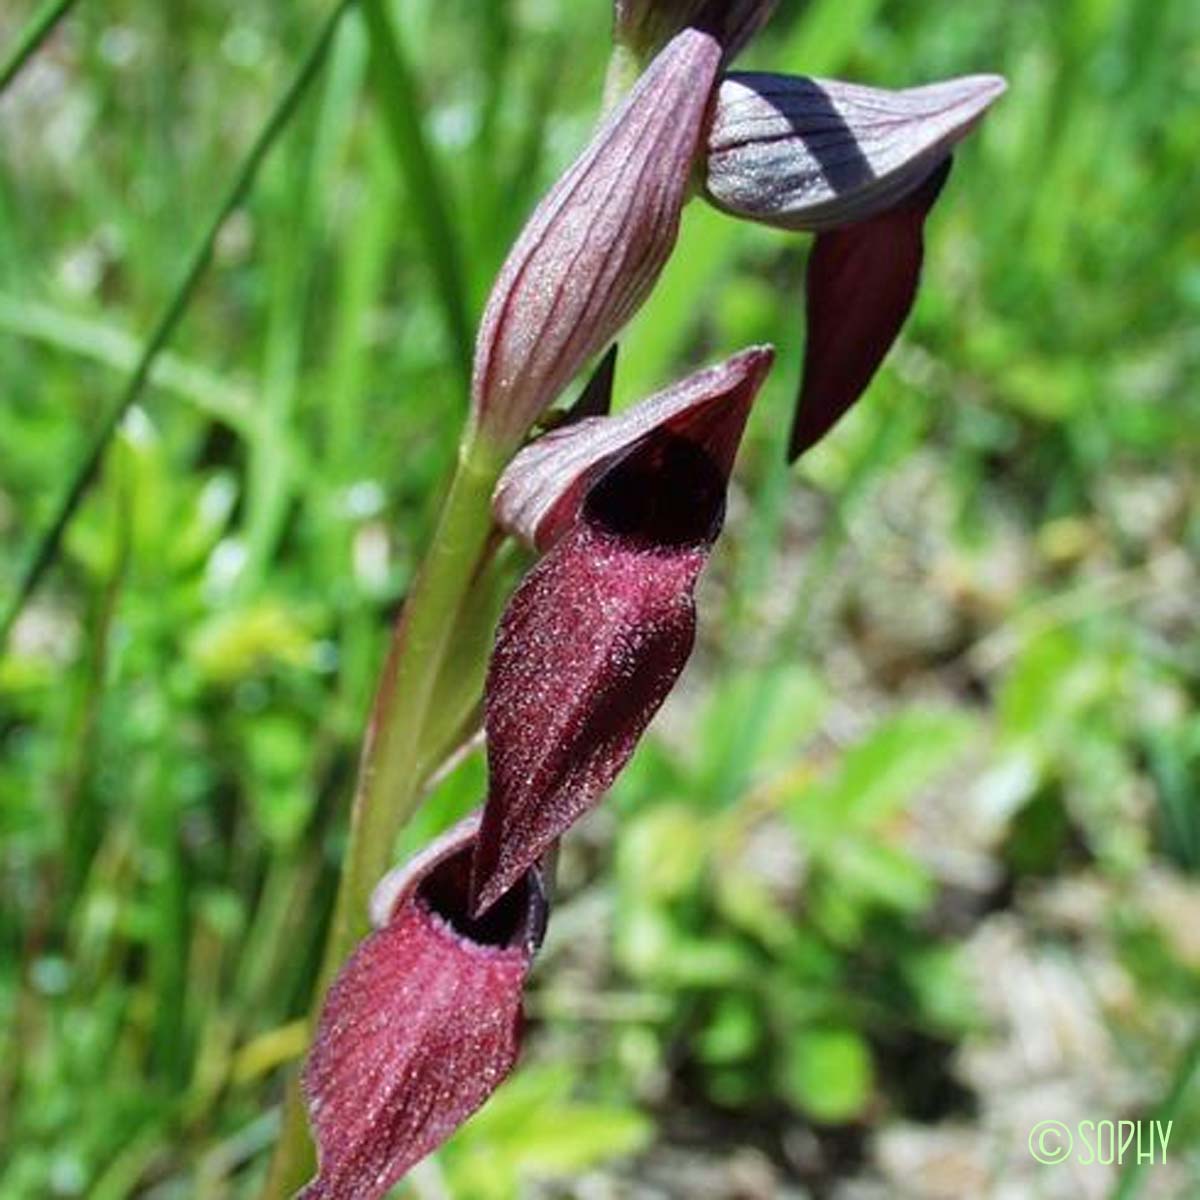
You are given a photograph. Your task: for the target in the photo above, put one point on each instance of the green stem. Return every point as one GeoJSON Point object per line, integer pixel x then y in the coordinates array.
{"type": "Point", "coordinates": [389, 785]}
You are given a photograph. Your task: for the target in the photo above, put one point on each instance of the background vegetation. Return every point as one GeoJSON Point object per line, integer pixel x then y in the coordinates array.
{"type": "Point", "coordinates": [908, 865]}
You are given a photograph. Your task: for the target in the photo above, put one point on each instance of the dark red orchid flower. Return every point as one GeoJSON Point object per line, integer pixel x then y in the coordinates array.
{"type": "Point", "coordinates": [422, 1024]}
{"type": "Point", "coordinates": [599, 630]}
{"type": "Point", "coordinates": [862, 168]}
{"type": "Point", "coordinates": [424, 1020]}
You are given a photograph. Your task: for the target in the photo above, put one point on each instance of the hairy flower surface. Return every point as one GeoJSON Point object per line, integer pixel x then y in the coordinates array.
{"type": "Point", "coordinates": [598, 631]}
{"type": "Point", "coordinates": [595, 245]}
{"type": "Point", "coordinates": [538, 496]}
{"type": "Point", "coordinates": [422, 1024]}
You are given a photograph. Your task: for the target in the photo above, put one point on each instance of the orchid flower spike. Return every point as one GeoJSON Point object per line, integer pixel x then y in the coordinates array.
{"type": "Point", "coordinates": [644, 25]}
{"type": "Point", "coordinates": [597, 633]}
{"type": "Point", "coordinates": [862, 168]}
{"type": "Point", "coordinates": [424, 1021]}
{"type": "Point", "coordinates": [595, 245]}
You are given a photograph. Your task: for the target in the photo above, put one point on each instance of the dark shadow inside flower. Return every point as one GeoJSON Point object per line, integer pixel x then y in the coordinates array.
{"type": "Point", "coordinates": [666, 491]}
{"type": "Point", "coordinates": [541, 494]}
{"type": "Point", "coordinates": [516, 920]}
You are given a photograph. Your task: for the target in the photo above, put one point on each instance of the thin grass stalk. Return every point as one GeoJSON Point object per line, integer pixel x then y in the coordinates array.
{"type": "Point", "coordinates": [46, 545]}
{"type": "Point", "coordinates": [400, 109]}
{"type": "Point", "coordinates": [30, 40]}
{"type": "Point", "coordinates": [1132, 1177]}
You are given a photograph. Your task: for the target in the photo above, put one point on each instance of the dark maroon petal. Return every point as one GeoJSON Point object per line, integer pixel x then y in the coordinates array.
{"type": "Point", "coordinates": [538, 496]}
{"type": "Point", "coordinates": [596, 398]}
{"type": "Point", "coordinates": [862, 281]}
{"type": "Point", "coordinates": [590, 645]}
{"type": "Point", "coordinates": [644, 25]}
{"type": "Point", "coordinates": [595, 245]}
{"type": "Point", "coordinates": [422, 1024]}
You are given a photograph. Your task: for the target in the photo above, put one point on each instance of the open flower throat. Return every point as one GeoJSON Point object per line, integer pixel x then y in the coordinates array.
{"type": "Point", "coordinates": [424, 1020]}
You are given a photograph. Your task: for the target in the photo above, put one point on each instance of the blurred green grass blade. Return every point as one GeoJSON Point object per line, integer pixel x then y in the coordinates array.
{"type": "Point", "coordinates": [495, 52]}
{"type": "Point", "coordinates": [317, 152]}
{"type": "Point", "coordinates": [1132, 1175]}
{"type": "Point", "coordinates": [827, 34]}
{"type": "Point", "coordinates": [361, 260]}
{"type": "Point", "coordinates": [37, 29]}
{"type": "Point", "coordinates": [96, 341]}
{"type": "Point", "coordinates": [47, 543]}
{"type": "Point", "coordinates": [399, 105]}
{"type": "Point", "coordinates": [659, 335]}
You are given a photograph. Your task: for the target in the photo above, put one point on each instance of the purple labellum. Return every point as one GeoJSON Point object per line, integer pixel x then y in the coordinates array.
{"type": "Point", "coordinates": [644, 25]}
{"type": "Point", "coordinates": [598, 632]}
{"type": "Point", "coordinates": [811, 154]}
{"type": "Point", "coordinates": [595, 245]}
{"type": "Point", "coordinates": [861, 284]}
{"type": "Point", "coordinates": [538, 496]}
{"type": "Point", "coordinates": [422, 1024]}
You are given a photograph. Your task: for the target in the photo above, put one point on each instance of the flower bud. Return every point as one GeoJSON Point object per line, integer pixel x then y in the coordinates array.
{"type": "Point", "coordinates": [810, 154]}
{"type": "Point", "coordinates": [594, 246]}
{"type": "Point", "coordinates": [644, 25]}
{"type": "Point", "coordinates": [422, 1024]}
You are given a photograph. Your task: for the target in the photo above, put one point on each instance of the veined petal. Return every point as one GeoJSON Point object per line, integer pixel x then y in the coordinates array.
{"type": "Point", "coordinates": [423, 1022]}
{"type": "Point", "coordinates": [538, 496]}
{"type": "Point", "coordinates": [595, 245]}
{"type": "Point", "coordinates": [597, 633]}
{"type": "Point", "coordinates": [861, 284]}
{"type": "Point", "coordinates": [644, 25]}
{"type": "Point", "coordinates": [812, 154]}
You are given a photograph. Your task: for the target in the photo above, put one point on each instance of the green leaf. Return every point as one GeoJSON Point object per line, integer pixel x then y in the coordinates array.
{"type": "Point", "coordinates": [878, 777]}
{"type": "Point", "coordinates": [662, 853]}
{"type": "Point", "coordinates": [874, 872]}
{"type": "Point", "coordinates": [732, 1033]}
{"type": "Point", "coordinates": [759, 717]}
{"type": "Point", "coordinates": [531, 1128]}
{"type": "Point", "coordinates": [828, 1074]}
{"type": "Point", "coordinates": [238, 643]}
{"type": "Point", "coordinates": [943, 988]}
